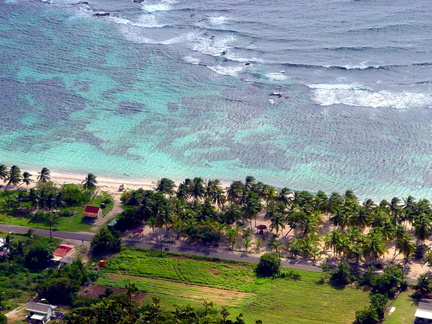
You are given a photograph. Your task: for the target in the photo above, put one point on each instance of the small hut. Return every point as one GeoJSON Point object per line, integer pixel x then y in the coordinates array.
{"type": "Point", "coordinates": [261, 228]}
{"type": "Point", "coordinates": [92, 212]}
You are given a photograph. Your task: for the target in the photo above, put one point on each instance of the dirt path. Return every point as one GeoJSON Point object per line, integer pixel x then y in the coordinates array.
{"type": "Point", "coordinates": [14, 315]}
{"type": "Point", "coordinates": [113, 212]}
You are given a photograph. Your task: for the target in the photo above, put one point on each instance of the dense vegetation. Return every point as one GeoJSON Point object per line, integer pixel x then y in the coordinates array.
{"type": "Point", "coordinates": [178, 279]}
{"type": "Point", "coordinates": [21, 265]}
{"type": "Point", "coordinates": [49, 205]}
{"type": "Point", "coordinates": [202, 211]}
{"type": "Point", "coordinates": [123, 309]}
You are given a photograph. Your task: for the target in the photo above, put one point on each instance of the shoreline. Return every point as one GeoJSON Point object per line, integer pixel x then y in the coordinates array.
{"type": "Point", "coordinates": [109, 184]}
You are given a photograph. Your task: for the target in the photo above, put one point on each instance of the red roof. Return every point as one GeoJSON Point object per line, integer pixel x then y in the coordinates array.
{"type": "Point", "coordinates": [91, 211]}
{"type": "Point", "coordinates": [261, 227]}
{"type": "Point", "coordinates": [62, 250]}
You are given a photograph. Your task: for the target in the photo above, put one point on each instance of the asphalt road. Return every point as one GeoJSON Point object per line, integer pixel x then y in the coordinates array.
{"type": "Point", "coordinates": [140, 242]}
{"type": "Point", "coordinates": [80, 236]}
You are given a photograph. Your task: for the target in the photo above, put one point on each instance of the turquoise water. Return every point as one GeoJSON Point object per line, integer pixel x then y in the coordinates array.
{"type": "Point", "coordinates": [182, 89]}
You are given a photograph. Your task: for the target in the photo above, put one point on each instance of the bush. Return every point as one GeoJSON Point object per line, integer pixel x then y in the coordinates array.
{"type": "Point", "coordinates": [420, 251]}
{"type": "Point", "coordinates": [106, 242]}
{"type": "Point", "coordinates": [342, 274]}
{"type": "Point", "coordinates": [269, 265]}
{"type": "Point", "coordinates": [366, 316]}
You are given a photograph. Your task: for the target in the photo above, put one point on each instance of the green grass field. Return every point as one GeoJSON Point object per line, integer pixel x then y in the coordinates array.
{"type": "Point", "coordinates": [405, 309]}
{"type": "Point", "coordinates": [70, 224]}
{"type": "Point", "coordinates": [180, 280]}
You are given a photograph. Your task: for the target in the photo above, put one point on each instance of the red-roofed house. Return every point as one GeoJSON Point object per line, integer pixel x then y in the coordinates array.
{"type": "Point", "coordinates": [92, 212]}
{"type": "Point", "coordinates": [63, 250]}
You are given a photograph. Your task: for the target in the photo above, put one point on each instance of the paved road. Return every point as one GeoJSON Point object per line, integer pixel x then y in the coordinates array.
{"type": "Point", "coordinates": [80, 236]}
{"type": "Point", "coordinates": [185, 248]}
{"type": "Point", "coordinates": [140, 242]}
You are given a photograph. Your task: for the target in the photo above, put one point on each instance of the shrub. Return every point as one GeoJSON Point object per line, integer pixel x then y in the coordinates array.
{"type": "Point", "coordinates": [420, 251]}
{"type": "Point", "coordinates": [342, 274]}
{"type": "Point", "coordinates": [269, 265]}
{"type": "Point", "coordinates": [366, 316]}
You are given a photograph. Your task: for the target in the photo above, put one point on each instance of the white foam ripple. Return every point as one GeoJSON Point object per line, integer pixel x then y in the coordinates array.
{"type": "Point", "coordinates": [191, 60]}
{"type": "Point", "coordinates": [218, 20]}
{"type": "Point", "coordinates": [276, 76]}
{"type": "Point", "coordinates": [355, 95]}
{"type": "Point", "coordinates": [158, 6]}
{"type": "Point", "coordinates": [214, 46]}
{"type": "Point", "coordinates": [226, 70]}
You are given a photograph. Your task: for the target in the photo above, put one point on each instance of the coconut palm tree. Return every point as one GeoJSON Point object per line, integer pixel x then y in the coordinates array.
{"type": "Point", "coordinates": [3, 172]}
{"type": "Point", "coordinates": [374, 246]}
{"type": "Point", "coordinates": [44, 175]}
{"type": "Point", "coordinates": [235, 191]}
{"type": "Point", "coordinates": [89, 182]}
{"type": "Point", "coordinates": [251, 207]}
{"type": "Point", "coordinates": [332, 241]}
{"type": "Point", "coordinates": [284, 196]}
{"type": "Point", "coordinates": [232, 213]}
{"type": "Point", "coordinates": [277, 222]}
{"type": "Point", "coordinates": [406, 246]}
{"type": "Point", "coordinates": [198, 189]}
{"type": "Point", "coordinates": [14, 176]}
{"type": "Point", "coordinates": [422, 226]}
{"type": "Point", "coordinates": [166, 186]}
{"type": "Point", "coordinates": [249, 182]}
{"type": "Point", "coordinates": [27, 178]}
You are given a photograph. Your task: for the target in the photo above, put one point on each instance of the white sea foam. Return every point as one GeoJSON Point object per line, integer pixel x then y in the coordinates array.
{"type": "Point", "coordinates": [145, 21]}
{"type": "Point", "coordinates": [191, 60]}
{"type": "Point", "coordinates": [217, 20]}
{"type": "Point", "coordinates": [226, 70]}
{"type": "Point", "coordinates": [237, 58]}
{"type": "Point", "coordinates": [213, 46]}
{"type": "Point", "coordinates": [354, 95]}
{"type": "Point", "coordinates": [158, 6]}
{"type": "Point", "coordinates": [275, 76]}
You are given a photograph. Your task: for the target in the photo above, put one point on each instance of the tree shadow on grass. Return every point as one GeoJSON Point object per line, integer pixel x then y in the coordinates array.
{"type": "Point", "coordinates": [337, 284]}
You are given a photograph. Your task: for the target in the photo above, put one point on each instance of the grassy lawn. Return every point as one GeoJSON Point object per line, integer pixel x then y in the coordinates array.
{"type": "Point", "coordinates": [182, 280]}
{"type": "Point", "coordinates": [405, 309]}
{"type": "Point", "coordinates": [70, 224]}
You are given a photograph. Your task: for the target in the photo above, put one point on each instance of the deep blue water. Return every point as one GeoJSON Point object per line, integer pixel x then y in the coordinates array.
{"type": "Point", "coordinates": [329, 95]}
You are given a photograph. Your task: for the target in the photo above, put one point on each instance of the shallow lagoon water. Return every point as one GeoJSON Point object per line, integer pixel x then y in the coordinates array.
{"type": "Point", "coordinates": [329, 96]}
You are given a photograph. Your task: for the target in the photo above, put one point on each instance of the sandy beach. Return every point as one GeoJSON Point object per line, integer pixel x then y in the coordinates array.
{"type": "Point", "coordinates": [104, 183]}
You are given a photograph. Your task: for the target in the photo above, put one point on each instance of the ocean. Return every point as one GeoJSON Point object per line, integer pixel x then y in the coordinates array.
{"type": "Point", "coordinates": [311, 95]}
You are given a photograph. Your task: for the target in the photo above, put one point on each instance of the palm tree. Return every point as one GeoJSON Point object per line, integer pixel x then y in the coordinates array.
{"type": "Point", "coordinates": [26, 178]}
{"type": "Point", "coordinates": [14, 176]}
{"type": "Point", "coordinates": [284, 196]}
{"type": "Point", "coordinates": [406, 246]}
{"type": "Point", "coordinates": [374, 246]}
{"type": "Point", "coordinates": [249, 181]}
{"type": "Point", "coordinates": [251, 207]}
{"type": "Point", "coordinates": [423, 227]}
{"type": "Point", "coordinates": [277, 222]}
{"type": "Point", "coordinates": [198, 189]}
{"type": "Point", "coordinates": [232, 213]}
{"type": "Point", "coordinates": [235, 191]}
{"type": "Point", "coordinates": [332, 241]}
{"type": "Point", "coordinates": [214, 191]}
{"type": "Point", "coordinates": [184, 190]}
{"type": "Point", "coordinates": [3, 172]}
{"type": "Point", "coordinates": [89, 182]}
{"type": "Point", "coordinates": [166, 186]}
{"type": "Point", "coordinates": [423, 286]}
{"type": "Point", "coordinates": [44, 175]}
{"type": "Point", "coordinates": [232, 234]}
